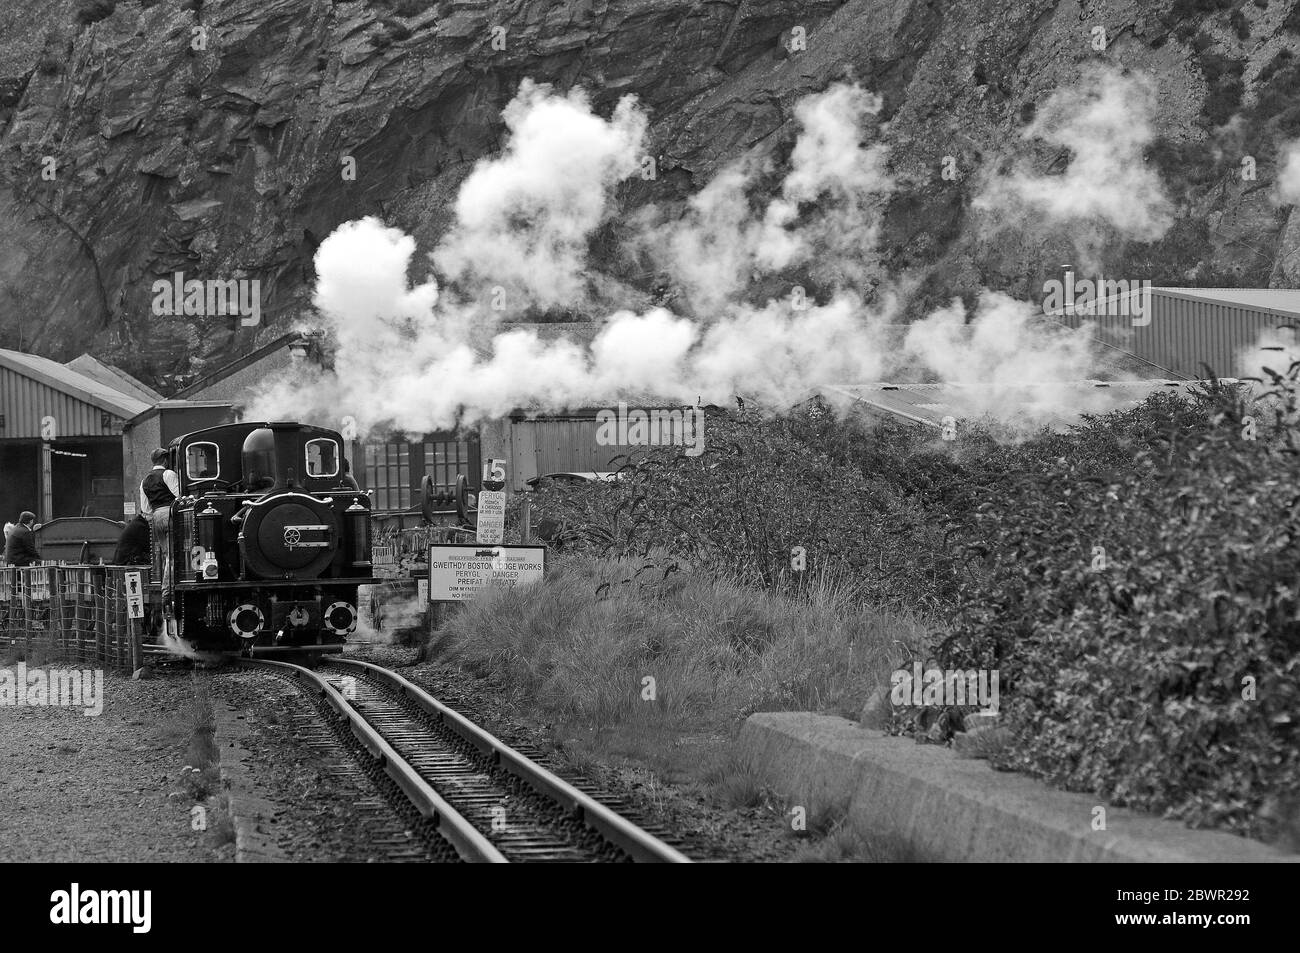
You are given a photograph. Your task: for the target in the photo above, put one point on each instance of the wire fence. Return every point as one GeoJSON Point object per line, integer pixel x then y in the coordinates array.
{"type": "Point", "coordinates": [79, 613]}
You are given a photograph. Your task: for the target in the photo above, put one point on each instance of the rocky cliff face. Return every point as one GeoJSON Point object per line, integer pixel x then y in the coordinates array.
{"type": "Point", "coordinates": [209, 136]}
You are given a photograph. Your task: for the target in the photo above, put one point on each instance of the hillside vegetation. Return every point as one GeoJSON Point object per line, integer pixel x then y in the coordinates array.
{"type": "Point", "coordinates": [1132, 580]}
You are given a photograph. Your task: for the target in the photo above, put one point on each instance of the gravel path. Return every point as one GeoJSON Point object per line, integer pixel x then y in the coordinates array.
{"type": "Point", "coordinates": [105, 788]}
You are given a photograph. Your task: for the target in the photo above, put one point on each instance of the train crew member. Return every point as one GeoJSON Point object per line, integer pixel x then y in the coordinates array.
{"type": "Point", "coordinates": [158, 491]}
{"type": "Point", "coordinates": [20, 545]}
{"type": "Point", "coordinates": [133, 544]}
{"type": "Point", "coordinates": [348, 478]}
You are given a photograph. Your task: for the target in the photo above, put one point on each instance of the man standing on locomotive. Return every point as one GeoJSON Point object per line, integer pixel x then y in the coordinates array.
{"type": "Point", "coordinates": [158, 491]}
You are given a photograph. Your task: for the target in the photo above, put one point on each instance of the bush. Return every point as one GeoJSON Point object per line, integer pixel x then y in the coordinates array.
{"type": "Point", "coordinates": [1144, 621]}
{"type": "Point", "coordinates": [1132, 580]}
{"type": "Point", "coordinates": [741, 507]}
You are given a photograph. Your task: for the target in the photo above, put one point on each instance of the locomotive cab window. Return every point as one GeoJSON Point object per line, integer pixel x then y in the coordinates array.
{"type": "Point", "coordinates": [322, 458]}
{"type": "Point", "coordinates": [202, 461]}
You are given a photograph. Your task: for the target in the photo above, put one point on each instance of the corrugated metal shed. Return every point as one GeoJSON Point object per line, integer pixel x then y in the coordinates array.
{"type": "Point", "coordinates": [1190, 329]}
{"type": "Point", "coordinates": [928, 404]}
{"type": "Point", "coordinates": [34, 387]}
{"type": "Point", "coordinates": [113, 377]}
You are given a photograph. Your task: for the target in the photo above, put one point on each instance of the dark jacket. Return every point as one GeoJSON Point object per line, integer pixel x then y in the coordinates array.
{"type": "Point", "coordinates": [20, 547]}
{"type": "Point", "coordinates": [133, 545]}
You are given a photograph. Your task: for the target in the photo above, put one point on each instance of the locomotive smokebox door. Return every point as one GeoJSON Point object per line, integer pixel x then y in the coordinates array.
{"type": "Point", "coordinates": [288, 535]}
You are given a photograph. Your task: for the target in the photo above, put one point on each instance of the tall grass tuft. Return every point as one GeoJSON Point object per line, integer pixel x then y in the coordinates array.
{"type": "Point", "coordinates": [584, 645]}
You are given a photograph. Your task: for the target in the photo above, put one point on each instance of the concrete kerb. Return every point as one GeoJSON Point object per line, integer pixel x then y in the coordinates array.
{"type": "Point", "coordinates": [955, 808]}
{"type": "Point", "coordinates": [250, 812]}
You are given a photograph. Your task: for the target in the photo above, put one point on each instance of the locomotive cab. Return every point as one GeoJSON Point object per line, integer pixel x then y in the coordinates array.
{"type": "Point", "coordinates": [271, 538]}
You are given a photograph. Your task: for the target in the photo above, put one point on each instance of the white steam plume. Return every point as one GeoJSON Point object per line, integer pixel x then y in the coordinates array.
{"type": "Point", "coordinates": [523, 218]}
{"type": "Point", "coordinates": [1010, 363]}
{"type": "Point", "coordinates": [404, 357]}
{"type": "Point", "coordinates": [1275, 348]}
{"type": "Point", "coordinates": [828, 162]}
{"type": "Point", "coordinates": [1105, 123]}
{"type": "Point", "coordinates": [1288, 177]}
{"type": "Point", "coordinates": [412, 358]}
{"type": "Point", "coordinates": [723, 241]}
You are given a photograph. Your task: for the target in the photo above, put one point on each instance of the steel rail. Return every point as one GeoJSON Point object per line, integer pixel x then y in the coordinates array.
{"type": "Point", "coordinates": [638, 844]}
{"type": "Point", "coordinates": [463, 836]}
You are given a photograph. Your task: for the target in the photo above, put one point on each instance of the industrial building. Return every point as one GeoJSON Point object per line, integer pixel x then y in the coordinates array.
{"type": "Point", "coordinates": [61, 435]}
{"type": "Point", "coordinates": [1186, 333]}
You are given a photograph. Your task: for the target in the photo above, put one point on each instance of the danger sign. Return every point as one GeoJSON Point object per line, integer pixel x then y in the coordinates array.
{"type": "Point", "coordinates": [457, 573]}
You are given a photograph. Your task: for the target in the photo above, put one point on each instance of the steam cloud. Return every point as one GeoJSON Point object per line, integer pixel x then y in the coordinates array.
{"type": "Point", "coordinates": [523, 220]}
{"type": "Point", "coordinates": [1288, 179]}
{"type": "Point", "coordinates": [1105, 123]}
{"type": "Point", "coordinates": [411, 356]}
{"type": "Point", "coordinates": [1275, 349]}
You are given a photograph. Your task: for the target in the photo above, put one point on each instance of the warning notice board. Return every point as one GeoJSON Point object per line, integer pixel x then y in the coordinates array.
{"type": "Point", "coordinates": [491, 521]}
{"type": "Point", "coordinates": [134, 595]}
{"type": "Point", "coordinates": [458, 572]}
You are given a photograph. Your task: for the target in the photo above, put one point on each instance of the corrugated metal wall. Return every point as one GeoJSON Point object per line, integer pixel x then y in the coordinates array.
{"type": "Point", "coordinates": [562, 445]}
{"type": "Point", "coordinates": [24, 402]}
{"type": "Point", "coordinates": [558, 446]}
{"type": "Point", "coordinates": [1183, 334]}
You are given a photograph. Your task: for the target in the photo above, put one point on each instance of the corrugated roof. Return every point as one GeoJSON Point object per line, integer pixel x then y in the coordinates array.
{"type": "Point", "coordinates": [114, 377]}
{"type": "Point", "coordinates": [1109, 361]}
{"type": "Point", "coordinates": [928, 404]}
{"type": "Point", "coordinates": [1281, 300]}
{"type": "Point", "coordinates": [70, 382]}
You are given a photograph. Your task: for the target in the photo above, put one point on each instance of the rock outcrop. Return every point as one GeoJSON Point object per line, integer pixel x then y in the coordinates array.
{"type": "Point", "coordinates": [207, 136]}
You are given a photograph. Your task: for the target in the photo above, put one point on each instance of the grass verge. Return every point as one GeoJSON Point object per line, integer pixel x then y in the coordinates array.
{"type": "Point", "coordinates": [649, 669]}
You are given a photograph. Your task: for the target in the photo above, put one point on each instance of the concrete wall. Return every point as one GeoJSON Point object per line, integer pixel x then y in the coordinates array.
{"type": "Point", "coordinates": [138, 441]}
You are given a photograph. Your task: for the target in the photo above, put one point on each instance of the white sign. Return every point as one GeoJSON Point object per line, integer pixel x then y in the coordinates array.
{"type": "Point", "coordinates": [128, 508]}
{"type": "Point", "coordinates": [491, 516]}
{"type": "Point", "coordinates": [422, 589]}
{"type": "Point", "coordinates": [134, 595]}
{"type": "Point", "coordinates": [459, 573]}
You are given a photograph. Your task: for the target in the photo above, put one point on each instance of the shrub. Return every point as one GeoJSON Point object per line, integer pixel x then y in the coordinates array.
{"type": "Point", "coordinates": [1163, 676]}
{"type": "Point", "coordinates": [1123, 577]}
{"type": "Point", "coordinates": [741, 507]}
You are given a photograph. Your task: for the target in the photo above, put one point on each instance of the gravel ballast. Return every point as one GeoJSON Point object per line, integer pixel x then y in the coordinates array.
{"type": "Point", "coordinates": [112, 787]}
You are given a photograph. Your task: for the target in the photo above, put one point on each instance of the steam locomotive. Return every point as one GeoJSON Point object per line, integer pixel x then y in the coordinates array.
{"type": "Point", "coordinates": [270, 539]}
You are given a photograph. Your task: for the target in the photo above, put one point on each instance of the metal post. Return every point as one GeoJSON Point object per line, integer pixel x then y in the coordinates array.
{"type": "Point", "coordinates": [526, 522]}
{"type": "Point", "coordinates": [47, 483]}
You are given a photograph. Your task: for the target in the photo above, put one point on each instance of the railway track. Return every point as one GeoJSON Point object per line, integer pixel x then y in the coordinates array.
{"type": "Point", "coordinates": [489, 801]}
